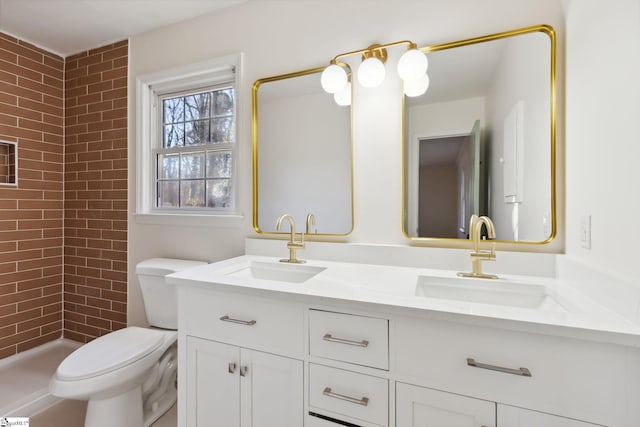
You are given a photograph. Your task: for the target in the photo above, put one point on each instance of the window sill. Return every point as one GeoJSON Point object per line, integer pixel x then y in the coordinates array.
{"type": "Point", "coordinates": [192, 220]}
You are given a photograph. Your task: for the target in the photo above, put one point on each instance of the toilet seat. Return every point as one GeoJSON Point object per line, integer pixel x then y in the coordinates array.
{"type": "Point", "coordinates": [109, 353]}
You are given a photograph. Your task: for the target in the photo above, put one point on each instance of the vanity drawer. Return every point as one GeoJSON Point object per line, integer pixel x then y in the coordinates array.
{"type": "Point", "coordinates": [494, 364]}
{"type": "Point", "coordinates": [337, 392]}
{"type": "Point", "coordinates": [349, 338]}
{"type": "Point", "coordinates": [246, 321]}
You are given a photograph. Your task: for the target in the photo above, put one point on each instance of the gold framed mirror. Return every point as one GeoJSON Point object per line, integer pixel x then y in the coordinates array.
{"type": "Point", "coordinates": [482, 139]}
{"type": "Point", "coordinates": [302, 155]}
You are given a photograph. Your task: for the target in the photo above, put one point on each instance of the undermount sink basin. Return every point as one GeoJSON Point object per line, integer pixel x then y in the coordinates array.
{"type": "Point", "coordinates": [486, 291]}
{"type": "Point", "coordinates": [281, 272]}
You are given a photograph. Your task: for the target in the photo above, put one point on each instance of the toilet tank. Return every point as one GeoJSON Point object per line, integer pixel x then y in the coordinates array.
{"type": "Point", "coordinates": [160, 298]}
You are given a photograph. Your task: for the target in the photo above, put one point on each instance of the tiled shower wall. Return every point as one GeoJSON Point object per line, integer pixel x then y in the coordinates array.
{"type": "Point", "coordinates": [95, 184]}
{"type": "Point", "coordinates": [31, 227]}
{"type": "Point", "coordinates": [69, 120]}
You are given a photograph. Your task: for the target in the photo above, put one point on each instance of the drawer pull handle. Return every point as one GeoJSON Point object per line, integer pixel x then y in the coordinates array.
{"type": "Point", "coordinates": [523, 372]}
{"type": "Point", "coordinates": [331, 338]}
{"type": "Point", "coordinates": [238, 321]}
{"type": "Point", "coordinates": [232, 368]}
{"type": "Point", "coordinates": [362, 401]}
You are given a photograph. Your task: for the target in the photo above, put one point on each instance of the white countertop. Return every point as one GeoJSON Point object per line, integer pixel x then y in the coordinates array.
{"type": "Point", "coordinates": [391, 289]}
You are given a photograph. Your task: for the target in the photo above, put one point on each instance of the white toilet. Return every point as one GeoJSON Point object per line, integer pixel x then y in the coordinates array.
{"type": "Point", "coordinates": [129, 375]}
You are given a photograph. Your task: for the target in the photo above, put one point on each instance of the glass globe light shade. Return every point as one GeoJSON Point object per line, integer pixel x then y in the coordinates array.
{"type": "Point", "coordinates": [343, 98]}
{"type": "Point", "coordinates": [371, 72]}
{"type": "Point", "coordinates": [412, 65]}
{"type": "Point", "coordinates": [333, 78]}
{"type": "Point", "coordinates": [417, 87]}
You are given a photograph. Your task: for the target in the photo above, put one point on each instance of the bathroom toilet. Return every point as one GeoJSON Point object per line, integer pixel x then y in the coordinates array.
{"type": "Point", "coordinates": [129, 376]}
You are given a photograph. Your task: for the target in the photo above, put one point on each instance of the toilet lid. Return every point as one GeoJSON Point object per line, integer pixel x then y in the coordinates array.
{"type": "Point", "coordinates": [109, 352]}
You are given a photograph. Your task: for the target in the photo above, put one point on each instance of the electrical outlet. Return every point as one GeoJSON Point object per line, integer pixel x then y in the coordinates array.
{"type": "Point", "coordinates": [585, 231]}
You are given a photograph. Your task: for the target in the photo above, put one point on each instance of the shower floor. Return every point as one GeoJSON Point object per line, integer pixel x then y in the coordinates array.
{"type": "Point", "coordinates": [24, 378]}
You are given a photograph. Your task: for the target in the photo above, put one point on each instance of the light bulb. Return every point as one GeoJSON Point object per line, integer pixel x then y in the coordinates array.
{"type": "Point", "coordinates": [412, 65]}
{"type": "Point", "coordinates": [371, 72]}
{"type": "Point", "coordinates": [417, 86]}
{"type": "Point", "coordinates": [333, 78]}
{"type": "Point", "coordinates": [343, 98]}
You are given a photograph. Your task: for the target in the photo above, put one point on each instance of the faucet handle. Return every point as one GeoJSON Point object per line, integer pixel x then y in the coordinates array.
{"type": "Point", "coordinates": [311, 220]}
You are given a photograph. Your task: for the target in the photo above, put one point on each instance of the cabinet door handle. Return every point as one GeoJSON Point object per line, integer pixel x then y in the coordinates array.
{"type": "Point", "coordinates": [364, 401]}
{"type": "Point", "coordinates": [331, 338]}
{"type": "Point", "coordinates": [523, 372]}
{"type": "Point", "coordinates": [243, 371]}
{"type": "Point", "coordinates": [238, 321]}
{"type": "Point", "coordinates": [232, 368]}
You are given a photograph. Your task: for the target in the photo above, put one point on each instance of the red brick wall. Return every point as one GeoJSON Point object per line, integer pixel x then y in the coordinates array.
{"type": "Point", "coordinates": [95, 226]}
{"type": "Point", "coordinates": [31, 225]}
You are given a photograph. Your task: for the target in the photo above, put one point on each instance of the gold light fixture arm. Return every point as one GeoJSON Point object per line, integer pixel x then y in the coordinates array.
{"type": "Point", "coordinates": [375, 50]}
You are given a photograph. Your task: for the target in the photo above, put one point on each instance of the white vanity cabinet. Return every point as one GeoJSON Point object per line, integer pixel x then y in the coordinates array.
{"type": "Point", "coordinates": [244, 364]}
{"type": "Point", "coordinates": [282, 355]}
{"type": "Point", "coordinates": [567, 377]}
{"type": "Point", "coordinates": [510, 416]}
{"type": "Point", "coordinates": [421, 406]}
{"type": "Point", "coordinates": [351, 342]}
{"type": "Point", "coordinates": [230, 386]}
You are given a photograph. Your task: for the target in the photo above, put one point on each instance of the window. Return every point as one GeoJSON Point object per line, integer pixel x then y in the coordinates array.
{"type": "Point", "coordinates": [8, 169]}
{"type": "Point", "coordinates": [194, 163]}
{"type": "Point", "coordinates": [186, 146]}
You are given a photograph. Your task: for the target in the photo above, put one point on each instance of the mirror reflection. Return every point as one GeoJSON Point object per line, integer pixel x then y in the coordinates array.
{"type": "Point", "coordinates": [481, 140]}
{"type": "Point", "coordinates": [302, 155]}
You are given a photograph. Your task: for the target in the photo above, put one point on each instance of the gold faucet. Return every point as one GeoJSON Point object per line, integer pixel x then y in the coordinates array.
{"type": "Point", "coordinates": [478, 255]}
{"type": "Point", "coordinates": [311, 220]}
{"type": "Point", "coordinates": [292, 244]}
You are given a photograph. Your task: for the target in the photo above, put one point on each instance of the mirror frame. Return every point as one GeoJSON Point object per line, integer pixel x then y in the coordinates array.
{"type": "Point", "coordinates": [550, 32]}
{"type": "Point", "coordinates": [255, 147]}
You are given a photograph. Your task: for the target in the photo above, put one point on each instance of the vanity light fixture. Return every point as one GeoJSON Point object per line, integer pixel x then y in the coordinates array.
{"type": "Point", "coordinates": [371, 72]}
{"type": "Point", "coordinates": [343, 98]}
{"type": "Point", "coordinates": [334, 78]}
{"type": "Point", "coordinates": [412, 69]}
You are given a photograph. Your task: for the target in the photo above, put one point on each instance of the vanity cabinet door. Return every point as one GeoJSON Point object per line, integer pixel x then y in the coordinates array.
{"type": "Point", "coordinates": [213, 388]}
{"type": "Point", "coordinates": [229, 386]}
{"type": "Point", "coordinates": [272, 390]}
{"type": "Point", "coordinates": [421, 407]}
{"type": "Point", "coordinates": [510, 416]}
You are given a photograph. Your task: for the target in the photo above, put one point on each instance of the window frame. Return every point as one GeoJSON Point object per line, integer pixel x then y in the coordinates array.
{"type": "Point", "coordinates": [149, 88]}
{"type": "Point", "coordinates": [221, 147]}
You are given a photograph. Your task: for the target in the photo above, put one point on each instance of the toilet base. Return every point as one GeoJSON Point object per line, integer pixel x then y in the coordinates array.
{"type": "Point", "coordinates": [159, 391]}
{"type": "Point", "coordinates": [123, 410]}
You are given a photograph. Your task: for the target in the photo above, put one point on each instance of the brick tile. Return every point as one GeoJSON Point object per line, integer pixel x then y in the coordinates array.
{"type": "Point", "coordinates": [19, 337]}
{"type": "Point", "coordinates": [39, 321]}
{"type": "Point", "coordinates": [70, 116]}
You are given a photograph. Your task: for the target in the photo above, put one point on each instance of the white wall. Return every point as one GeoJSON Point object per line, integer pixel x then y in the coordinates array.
{"type": "Point", "coordinates": [281, 37]}
{"type": "Point", "coordinates": [315, 149]}
{"type": "Point", "coordinates": [515, 76]}
{"type": "Point", "coordinates": [444, 117]}
{"type": "Point", "coordinates": [602, 143]}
